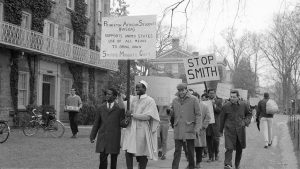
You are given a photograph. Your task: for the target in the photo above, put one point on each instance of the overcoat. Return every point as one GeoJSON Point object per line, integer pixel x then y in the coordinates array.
{"type": "Point", "coordinates": [217, 106]}
{"type": "Point", "coordinates": [205, 118]}
{"type": "Point", "coordinates": [233, 120]}
{"type": "Point", "coordinates": [107, 125]}
{"type": "Point", "coordinates": [187, 117]}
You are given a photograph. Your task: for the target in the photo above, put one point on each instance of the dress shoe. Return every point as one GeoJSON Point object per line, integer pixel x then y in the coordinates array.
{"type": "Point", "coordinates": [159, 154]}
{"type": "Point", "coordinates": [265, 147]}
{"type": "Point", "coordinates": [227, 167]}
{"type": "Point", "coordinates": [74, 136]}
{"type": "Point", "coordinates": [163, 157]}
{"type": "Point", "coordinates": [270, 143]}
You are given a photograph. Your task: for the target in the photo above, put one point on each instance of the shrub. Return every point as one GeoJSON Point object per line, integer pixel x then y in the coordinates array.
{"type": "Point", "coordinates": [87, 114]}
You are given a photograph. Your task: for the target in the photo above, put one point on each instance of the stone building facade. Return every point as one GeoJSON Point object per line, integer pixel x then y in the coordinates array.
{"type": "Point", "coordinates": [53, 50]}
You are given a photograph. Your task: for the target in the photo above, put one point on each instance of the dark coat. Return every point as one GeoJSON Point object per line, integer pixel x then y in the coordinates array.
{"type": "Point", "coordinates": [214, 129]}
{"type": "Point", "coordinates": [233, 119]}
{"type": "Point", "coordinates": [262, 109]}
{"type": "Point", "coordinates": [107, 125]}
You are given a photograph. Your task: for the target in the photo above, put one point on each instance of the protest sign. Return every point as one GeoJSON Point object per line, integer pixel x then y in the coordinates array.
{"type": "Point", "coordinates": [128, 37]}
{"type": "Point", "coordinates": [161, 89]}
{"type": "Point", "coordinates": [223, 90]}
{"type": "Point", "coordinates": [201, 68]}
{"type": "Point", "coordinates": [243, 94]}
{"type": "Point", "coordinates": [199, 88]}
{"type": "Point", "coordinates": [254, 101]}
{"type": "Point", "coordinates": [209, 105]}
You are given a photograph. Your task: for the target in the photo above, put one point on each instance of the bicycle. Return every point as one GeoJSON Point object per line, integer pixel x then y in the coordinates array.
{"type": "Point", "coordinates": [51, 124]}
{"type": "Point", "coordinates": [4, 131]}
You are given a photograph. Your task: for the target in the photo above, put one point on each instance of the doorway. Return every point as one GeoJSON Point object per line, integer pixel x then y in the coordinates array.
{"type": "Point", "coordinates": [48, 90]}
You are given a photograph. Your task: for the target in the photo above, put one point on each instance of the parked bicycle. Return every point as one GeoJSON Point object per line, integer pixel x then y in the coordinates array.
{"type": "Point", "coordinates": [48, 123]}
{"type": "Point", "coordinates": [4, 131]}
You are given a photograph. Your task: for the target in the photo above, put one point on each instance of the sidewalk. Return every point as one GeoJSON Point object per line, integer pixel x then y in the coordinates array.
{"type": "Point", "coordinates": [279, 156]}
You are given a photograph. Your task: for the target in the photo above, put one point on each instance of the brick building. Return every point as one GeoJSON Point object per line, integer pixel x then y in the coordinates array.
{"type": "Point", "coordinates": [53, 50]}
{"type": "Point", "coordinates": [170, 64]}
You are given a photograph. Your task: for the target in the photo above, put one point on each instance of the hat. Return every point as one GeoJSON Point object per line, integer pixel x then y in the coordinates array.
{"type": "Point", "coordinates": [266, 95]}
{"type": "Point", "coordinates": [182, 86]}
{"type": "Point", "coordinates": [144, 83]}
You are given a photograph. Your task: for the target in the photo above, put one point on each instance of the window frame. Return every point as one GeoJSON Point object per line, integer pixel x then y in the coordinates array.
{"type": "Point", "coordinates": [175, 65]}
{"type": "Point", "coordinates": [88, 8]}
{"type": "Point", "coordinates": [1, 11]}
{"type": "Point", "coordinates": [23, 106]}
{"type": "Point", "coordinates": [87, 41]}
{"type": "Point", "coordinates": [72, 4]}
{"type": "Point", "coordinates": [66, 29]}
{"type": "Point", "coordinates": [27, 25]}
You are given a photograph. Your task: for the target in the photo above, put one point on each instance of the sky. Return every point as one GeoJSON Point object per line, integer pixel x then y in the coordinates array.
{"type": "Point", "coordinates": [207, 21]}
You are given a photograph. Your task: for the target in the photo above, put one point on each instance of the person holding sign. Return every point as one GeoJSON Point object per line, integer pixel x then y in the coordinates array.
{"type": "Point", "coordinates": [212, 132]}
{"type": "Point", "coordinates": [187, 123]}
{"type": "Point", "coordinates": [140, 137]}
{"type": "Point", "coordinates": [234, 118]}
{"type": "Point", "coordinates": [73, 105]}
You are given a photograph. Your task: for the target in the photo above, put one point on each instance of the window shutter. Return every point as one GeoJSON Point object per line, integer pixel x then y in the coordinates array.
{"type": "Point", "coordinates": [56, 31]}
{"type": "Point", "coordinates": [46, 28]}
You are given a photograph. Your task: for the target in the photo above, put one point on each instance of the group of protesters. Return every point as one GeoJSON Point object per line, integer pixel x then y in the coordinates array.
{"type": "Point", "coordinates": [196, 124]}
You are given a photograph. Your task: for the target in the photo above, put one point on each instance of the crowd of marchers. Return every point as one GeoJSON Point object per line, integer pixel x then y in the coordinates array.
{"type": "Point", "coordinates": [198, 122]}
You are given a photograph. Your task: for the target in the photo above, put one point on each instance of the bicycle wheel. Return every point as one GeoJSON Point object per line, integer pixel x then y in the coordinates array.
{"type": "Point", "coordinates": [31, 128]}
{"type": "Point", "coordinates": [56, 128]}
{"type": "Point", "coordinates": [4, 132]}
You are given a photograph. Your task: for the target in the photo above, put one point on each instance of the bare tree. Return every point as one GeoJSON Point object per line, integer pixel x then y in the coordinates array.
{"type": "Point", "coordinates": [281, 47]}
{"type": "Point", "coordinates": [236, 46]}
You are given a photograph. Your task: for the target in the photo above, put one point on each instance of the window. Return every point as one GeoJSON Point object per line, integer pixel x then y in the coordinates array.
{"type": "Point", "coordinates": [69, 35]}
{"type": "Point", "coordinates": [175, 68]}
{"type": "Point", "coordinates": [26, 20]}
{"type": "Point", "coordinates": [87, 41]}
{"type": "Point", "coordinates": [50, 29]}
{"type": "Point", "coordinates": [1, 11]}
{"type": "Point", "coordinates": [88, 11]}
{"type": "Point", "coordinates": [23, 85]}
{"type": "Point", "coordinates": [160, 67]}
{"type": "Point", "coordinates": [70, 4]}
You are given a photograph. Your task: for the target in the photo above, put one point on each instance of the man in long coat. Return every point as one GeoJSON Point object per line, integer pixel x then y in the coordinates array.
{"type": "Point", "coordinates": [187, 123]}
{"type": "Point", "coordinates": [200, 142]}
{"type": "Point", "coordinates": [234, 118]}
{"type": "Point", "coordinates": [107, 125]}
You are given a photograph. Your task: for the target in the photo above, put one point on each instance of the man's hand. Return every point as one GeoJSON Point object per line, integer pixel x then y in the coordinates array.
{"type": "Point", "coordinates": [92, 141]}
{"type": "Point", "coordinates": [129, 113]}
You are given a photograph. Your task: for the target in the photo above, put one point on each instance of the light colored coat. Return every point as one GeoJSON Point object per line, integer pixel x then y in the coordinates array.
{"type": "Point", "coordinates": [140, 137]}
{"type": "Point", "coordinates": [205, 118]}
{"type": "Point", "coordinates": [187, 117]}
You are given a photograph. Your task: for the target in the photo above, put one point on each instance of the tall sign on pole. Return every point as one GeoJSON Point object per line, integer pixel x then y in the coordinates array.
{"type": "Point", "coordinates": [128, 37]}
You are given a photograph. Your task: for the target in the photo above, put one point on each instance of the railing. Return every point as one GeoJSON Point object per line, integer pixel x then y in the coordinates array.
{"type": "Point", "coordinates": [19, 37]}
{"type": "Point", "coordinates": [294, 125]}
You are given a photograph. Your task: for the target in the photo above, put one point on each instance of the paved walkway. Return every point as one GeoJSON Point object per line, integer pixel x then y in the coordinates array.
{"type": "Point", "coordinates": [42, 151]}
{"type": "Point", "coordinates": [279, 156]}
